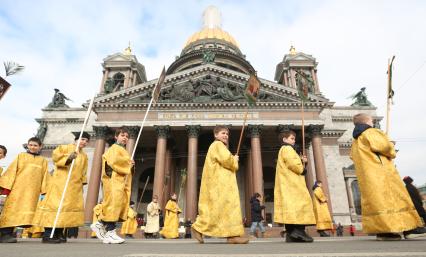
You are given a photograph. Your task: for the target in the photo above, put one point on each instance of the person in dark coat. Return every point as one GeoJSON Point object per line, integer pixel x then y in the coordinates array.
{"type": "Point", "coordinates": [256, 214]}
{"type": "Point", "coordinates": [415, 197]}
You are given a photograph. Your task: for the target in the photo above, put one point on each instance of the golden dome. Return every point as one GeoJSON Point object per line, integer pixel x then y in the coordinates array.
{"type": "Point", "coordinates": [212, 33]}
{"type": "Point", "coordinates": [212, 28]}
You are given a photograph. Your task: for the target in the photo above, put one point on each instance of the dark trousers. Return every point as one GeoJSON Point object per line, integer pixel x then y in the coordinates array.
{"type": "Point", "coordinates": [7, 231]}
{"type": "Point", "coordinates": [291, 227]}
{"type": "Point", "coordinates": [108, 225]}
{"type": "Point", "coordinates": [59, 232]}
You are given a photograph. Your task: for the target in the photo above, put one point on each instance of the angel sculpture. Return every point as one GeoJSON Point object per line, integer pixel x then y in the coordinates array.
{"type": "Point", "coordinates": [360, 98]}
{"type": "Point", "coordinates": [58, 100]}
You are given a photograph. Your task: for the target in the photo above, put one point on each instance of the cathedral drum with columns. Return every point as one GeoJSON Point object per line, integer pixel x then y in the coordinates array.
{"type": "Point", "coordinates": [203, 87]}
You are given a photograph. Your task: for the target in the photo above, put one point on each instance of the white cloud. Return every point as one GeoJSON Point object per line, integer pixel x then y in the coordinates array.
{"type": "Point", "coordinates": [63, 43]}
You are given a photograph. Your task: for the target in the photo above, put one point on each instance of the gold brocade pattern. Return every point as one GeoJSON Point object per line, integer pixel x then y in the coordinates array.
{"type": "Point", "coordinates": [171, 220]}
{"type": "Point", "coordinates": [322, 214]}
{"type": "Point", "coordinates": [386, 205]}
{"type": "Point", "coordinates": [72, 213]}
{"type": "Point", "coordinates": [117, 186]}
{"type": "Point", "coordinates": [130, 226]}
{"type": "Point", "coordinates": [292, 202]}
{"type": "Point", "coordinates": [219, 204]}
{"type": "Point", "coordinates": [26, 178]}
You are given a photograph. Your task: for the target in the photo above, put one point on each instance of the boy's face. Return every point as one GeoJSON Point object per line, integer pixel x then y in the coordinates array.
{"type": "Point", "coordinates": [174, 196]}
{"type": "Point", "coordinates": [2, 155]}
{"type": "Point", "coordinates": [291, 140]}
{"type": "Point", "coordinates": [222, 136]}
{"type": "Point", "coordinates": [33, 147]}
{"type": "Point", "coordinates": [122, 138]}
{"type": "Point", "coordinates": [155, 200]}
{"type": "Point", "coordinates": [83, 142]}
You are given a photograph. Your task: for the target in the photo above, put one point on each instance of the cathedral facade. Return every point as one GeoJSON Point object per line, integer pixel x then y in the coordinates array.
{"type": "Point", "coordinates": [204, 87]}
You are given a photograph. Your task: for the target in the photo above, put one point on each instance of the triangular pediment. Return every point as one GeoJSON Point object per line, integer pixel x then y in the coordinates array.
{"type": "Point", "coordinates": [119, 57]}
{"type": "Point", "coordinates": [206, 84]}
{"type": "Point", "coordinates": [300, 57]}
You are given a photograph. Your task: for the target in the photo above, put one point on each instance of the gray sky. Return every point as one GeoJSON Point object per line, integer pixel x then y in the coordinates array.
{"type": "Point", "coordinates": [62, 44]}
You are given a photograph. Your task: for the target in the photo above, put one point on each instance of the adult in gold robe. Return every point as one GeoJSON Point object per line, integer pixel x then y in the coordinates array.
{"type": "Point", "coordinates": [171, 219]}
{"type": "Point", "coordinates": [386, 205]}
{"type": "Point", "coordinates": [219, 202]}
{"type": "Point", "coordinates": [322, 214]}
{"type": "Point", "coordinates": [129, 227]}
{"type": "Point", "coordinates": [23, 182]}
{"type": "Point", "coordinates": [116, 185]}
{"type": "Point", "coordinates": [292, 201]}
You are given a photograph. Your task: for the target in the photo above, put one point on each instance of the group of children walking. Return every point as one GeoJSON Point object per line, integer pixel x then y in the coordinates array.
{"type": "Point", "coordinates": [387, 209]}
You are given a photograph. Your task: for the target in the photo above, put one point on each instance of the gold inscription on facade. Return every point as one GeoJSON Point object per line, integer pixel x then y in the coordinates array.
{"type": "Point", "coordinates": [205, 116]}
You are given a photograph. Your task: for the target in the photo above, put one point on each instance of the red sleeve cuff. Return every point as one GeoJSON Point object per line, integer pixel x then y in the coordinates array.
{"type": "Point", "coordinates": [5, 191]}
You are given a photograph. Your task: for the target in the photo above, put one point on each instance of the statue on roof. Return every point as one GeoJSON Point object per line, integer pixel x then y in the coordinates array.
{"type": "Point", "coordinates": [108, 86]}
{"type": "Point", "coordinates": [360, 98]}
{"type": "Point", "coordinates": [58, 100]}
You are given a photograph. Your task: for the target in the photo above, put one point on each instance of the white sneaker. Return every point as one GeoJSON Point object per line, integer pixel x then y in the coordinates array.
{"type": "Point", "coordinates": [99, 229]}
{"type": "Point", "coordinates": [112, 238]}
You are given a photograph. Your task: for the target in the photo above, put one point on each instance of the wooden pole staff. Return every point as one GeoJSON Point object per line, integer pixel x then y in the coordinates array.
{"type": "Point", "coordinates": [143, 191]}
{"type": "Point", "coordinates": [86, 119]}
{"type": "Point", "coordinates": [242, 131]}
{"type": "Point", "coordinates": [389, 94]}
{"type": "Point", "coordinates": [159, 84]}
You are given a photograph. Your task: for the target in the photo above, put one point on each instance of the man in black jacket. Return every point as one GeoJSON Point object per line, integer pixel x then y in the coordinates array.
{"type": "Point", "coordinates": [256, 214]}
{"type": "Point", "coordinates": [415, 197]}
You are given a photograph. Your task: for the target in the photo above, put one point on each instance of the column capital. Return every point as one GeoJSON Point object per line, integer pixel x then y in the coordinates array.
{"type": "Point", "coordinates": [284, 127]}
{"type": "Point", "coordinates": [162, 131]}
{"type": "Point", "coordinates": [193, 130]}
{"type": "Point", "coordinates": [254, 130]}
{"type": "Point", "coordinates": [315, 130]}
{"type": "Point", "coordinates": [133, 131]}
{"type": "Point", "coordinates": [101, 131]}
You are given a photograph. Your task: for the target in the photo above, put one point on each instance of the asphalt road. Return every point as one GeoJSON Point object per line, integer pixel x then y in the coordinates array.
{"type": "Point", "coordinates": [334, 247]}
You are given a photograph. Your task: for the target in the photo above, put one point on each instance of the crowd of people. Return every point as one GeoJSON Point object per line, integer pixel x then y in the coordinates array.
{"type": "Point", "coordinates": [31, 195]}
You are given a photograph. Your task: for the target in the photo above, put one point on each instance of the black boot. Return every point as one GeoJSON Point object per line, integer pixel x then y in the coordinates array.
{"type": "Point", "coordinates": [48, 240]}
{"type": "Point", "coordinates": [415, 233]}
{"type": "Point", "coordinates": [323, 234]}
{"type": "Point", "coordinates": [62, 237]}
{"type": "Point", "coordinates": [7, 236]}
{"type": "Point", "coordinates": [46, 237]}
{"type": "Point", "coordinates": [299, 235]}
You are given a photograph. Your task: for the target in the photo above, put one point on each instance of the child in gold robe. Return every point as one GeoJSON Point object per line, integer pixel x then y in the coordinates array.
{"type": "Point", "coordinates": [72, 212]}
{"type": "Point", "coordinates": [219, 204]}
{"type": "Point", "coordinates": [387, 209]}
{"type": "Point", "coordinates": [171, 220]}
{"type": "Point", "coordinates": [22, 182]}
{"type": "Point", "coordinates": [322, 214]}
{"type": "Point", "coordinates": [129, 227]}
{"type": "Point", "coordinates": [292, 201]}
{"type": "Point", "coordinates": [116, 182]}
{"type": "Point", "coordinates": [152, 218]}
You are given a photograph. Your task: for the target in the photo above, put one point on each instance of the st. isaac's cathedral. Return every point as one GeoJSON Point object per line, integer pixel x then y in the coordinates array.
{"type": "Point", "coordinates": [204, 87]}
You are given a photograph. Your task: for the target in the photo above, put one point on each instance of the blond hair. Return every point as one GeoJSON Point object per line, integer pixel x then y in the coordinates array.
{"type": "Point", "coordinates": [361, 118]}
